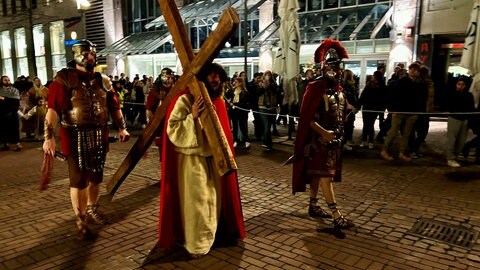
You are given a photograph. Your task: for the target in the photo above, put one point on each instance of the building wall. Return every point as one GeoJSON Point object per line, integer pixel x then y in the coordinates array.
{"type": "Point", "coordinates": [445, 17]}
{"type": "Point", "coordinates": [112, 13]}
{"type": "Point", "coordinates": [43, 14]}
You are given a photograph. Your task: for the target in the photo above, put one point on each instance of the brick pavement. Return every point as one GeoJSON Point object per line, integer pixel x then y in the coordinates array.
{"type": "Point", "coordinates": [383, 198]}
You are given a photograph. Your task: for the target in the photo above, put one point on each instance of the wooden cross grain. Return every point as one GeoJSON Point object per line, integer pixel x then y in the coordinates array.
{"type": "Point", "coordinates": [192, 64]}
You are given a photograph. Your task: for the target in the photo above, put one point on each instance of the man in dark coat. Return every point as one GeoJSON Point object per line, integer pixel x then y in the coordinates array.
{"type": "Point", "coordinates": [9, 103]}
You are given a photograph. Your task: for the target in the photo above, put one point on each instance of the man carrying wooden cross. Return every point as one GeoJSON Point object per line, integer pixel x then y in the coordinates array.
{"type": "Point", "coordinates": [200, 200]}
{"type": "Point", "coordinates": [197, 206]}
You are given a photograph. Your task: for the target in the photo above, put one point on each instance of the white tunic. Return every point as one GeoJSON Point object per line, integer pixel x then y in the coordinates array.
{"type": "Point", "coordinates": [198, 181]}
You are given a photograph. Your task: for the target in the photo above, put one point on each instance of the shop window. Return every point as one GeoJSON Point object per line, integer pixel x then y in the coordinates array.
{"type": "Point", "coordinates": [39, 40]}
{"type": "Point", "coordinates": [22, 66]}
{"type": "Point", "coordinates": [41, 68]}
{"type": "Point", "coordinates": [21, 51]}
{"type": "Point", "coordinates": [20, 42]}
{"type": "Point", "coordinates": [6, 52]}
{"type": "Point", "coordinates": [8, 68]}
{"type": "Point", "coordinates": [57, 43]}
{"type": "Point", "coordinates": [6, 45]}
{"type": "Point", "coordinates": [39, 44]}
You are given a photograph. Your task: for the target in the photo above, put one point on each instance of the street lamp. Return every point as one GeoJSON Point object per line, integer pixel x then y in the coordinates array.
{"type": "Point", "coordinates": [82, 6]}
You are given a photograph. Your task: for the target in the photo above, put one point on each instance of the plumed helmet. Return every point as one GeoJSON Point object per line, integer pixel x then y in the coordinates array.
{"type": "Point", "coordinates": [330, 51]}
{"type": "Point", "coordinates": [82, 46]}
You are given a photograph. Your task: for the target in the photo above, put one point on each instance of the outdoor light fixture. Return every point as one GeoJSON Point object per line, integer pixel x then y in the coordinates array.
{"type": "Point", "coordinates": [82, 4]}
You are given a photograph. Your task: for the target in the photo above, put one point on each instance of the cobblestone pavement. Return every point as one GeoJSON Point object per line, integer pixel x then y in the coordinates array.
{"type": "Point", "coordinates": [385, 200]}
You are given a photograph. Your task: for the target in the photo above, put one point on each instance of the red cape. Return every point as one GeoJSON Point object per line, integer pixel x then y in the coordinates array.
{"type": "Point", "coordinates": [170, 229]}
{"type": "Point", "coordinates": [310, 102]}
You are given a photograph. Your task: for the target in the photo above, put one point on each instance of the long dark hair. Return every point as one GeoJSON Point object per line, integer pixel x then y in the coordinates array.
{"type": "Point", "coordinates": [209, 69]}
{"type": "Point", "coordinates": [212, 68]}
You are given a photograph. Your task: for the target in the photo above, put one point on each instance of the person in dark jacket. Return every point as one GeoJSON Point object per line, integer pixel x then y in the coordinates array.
{"type": "Point", "coordinates": [372, 100]}
{"type": "Point", "coordinates": [9, 104]}
{"type": "Point", "coordinates": [460, 101]}
{"type": "Point", "coordinates": [426, 104]}
{"type": "Point", "coordinates": [403, 102]}
{"type": "Point", "coordinates": [267, 104]}
{"type": "Point", "coordinates": [350, 89]}
{"type": "Point", "coordinates": [474, 124]}
{"type": "Point", "coordinates": [240, 110]}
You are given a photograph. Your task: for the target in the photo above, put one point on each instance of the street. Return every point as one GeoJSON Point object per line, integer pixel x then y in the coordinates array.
{"type": "Point", "coordinates": [386, 201]}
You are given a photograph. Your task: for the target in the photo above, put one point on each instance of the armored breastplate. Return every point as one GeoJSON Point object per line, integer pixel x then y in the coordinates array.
{"type": "Point", "coordinates": [89, 106]}
{"type": "Point", "coordinates": [330, 113]}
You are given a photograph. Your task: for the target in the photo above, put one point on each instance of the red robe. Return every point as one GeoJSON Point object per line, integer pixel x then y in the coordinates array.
{"type": "Point", "coordinates": [311, 100]}
{"type": "Point", "coordinates": [170, 228]}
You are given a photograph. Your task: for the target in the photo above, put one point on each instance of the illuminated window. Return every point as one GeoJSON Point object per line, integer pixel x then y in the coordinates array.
{"type": "Point", "coordinates": [39, 44]}
{"type": "Point", "coordinates": [57, 42]}
{"type": "Point", "coordinates": [21, 51]}
{"type": "Point", "coordinates": [7, 66]}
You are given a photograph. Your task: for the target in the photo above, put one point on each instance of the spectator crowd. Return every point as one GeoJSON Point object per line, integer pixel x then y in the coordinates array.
{"type": "Point", "coordinates": [401, 105]}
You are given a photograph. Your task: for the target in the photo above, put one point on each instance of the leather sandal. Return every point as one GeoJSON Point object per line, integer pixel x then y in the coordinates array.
{"type": "Point", "coordinates": [95, 216]}
{"type": "Point", "coordinates": [315, 211]}
{"type": "Point", "coordinates": [83, 233]}
{"type": "Point", "coordinates": [342, 222]}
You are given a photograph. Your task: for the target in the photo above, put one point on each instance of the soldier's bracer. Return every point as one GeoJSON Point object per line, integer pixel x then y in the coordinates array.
{"type": "Point", "coordinates": [119, 121]}
{"type": "Point", "coordinates": [49, 132]}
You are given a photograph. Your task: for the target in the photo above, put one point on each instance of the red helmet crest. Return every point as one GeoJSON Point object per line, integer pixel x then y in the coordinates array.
{"type": "Point", "coordinates": [330, 50]}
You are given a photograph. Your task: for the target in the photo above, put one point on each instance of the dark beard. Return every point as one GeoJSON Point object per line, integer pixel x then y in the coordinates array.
{"type": "Point", "coordinates": [90, 66]}
{"type": "Point", "coordinates": [211, 92]}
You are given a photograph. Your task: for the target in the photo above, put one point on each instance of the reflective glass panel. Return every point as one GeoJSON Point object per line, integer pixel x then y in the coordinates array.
{"type": "Point", "coordinates": [20, 42]}
{"type": "Point", "coordinates": [57, 37]}
{"type": "Point", "coordinates": [8, 68]}
{"type": "Point", "coordinates": [41, 68]}
{"type": "Point", "coordinates": [22, 66]}
{"type": "Point", "coordinates": [39, 40]}
{"type": "Point", "coordinates": [59, 61]}
{"type": "Point", "coordinates": [6, 45]}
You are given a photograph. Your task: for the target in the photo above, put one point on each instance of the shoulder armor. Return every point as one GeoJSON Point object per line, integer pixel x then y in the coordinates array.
{"type": "Point", "coordinates": [106, 83]}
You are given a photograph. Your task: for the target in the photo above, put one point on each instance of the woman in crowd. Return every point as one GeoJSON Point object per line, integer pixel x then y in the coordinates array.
{"type": "Point", "coordinates": [240, 111]}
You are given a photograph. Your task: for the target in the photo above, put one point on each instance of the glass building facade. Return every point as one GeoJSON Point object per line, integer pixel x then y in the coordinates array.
{"type": "Point", "coordinates": [21, 50]}
{"type": "Point", "coordinates": [359, 24]}
{"type": "Point", "coordinates": [6, 50]}
{"type": "Point", "coordinates": [57, 42]}
{"type": "Point", "coordinates": [39, 45]}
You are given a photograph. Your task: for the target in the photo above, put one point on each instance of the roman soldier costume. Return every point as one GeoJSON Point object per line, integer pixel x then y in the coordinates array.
{"type": "Point", "coordinates": [319, 140]}
{"type": "Point", "coordinates": [82, 99]}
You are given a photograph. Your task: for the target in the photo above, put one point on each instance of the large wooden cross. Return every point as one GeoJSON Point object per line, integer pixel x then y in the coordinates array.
{"type": "Point", "coordinates": [192, 64]}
